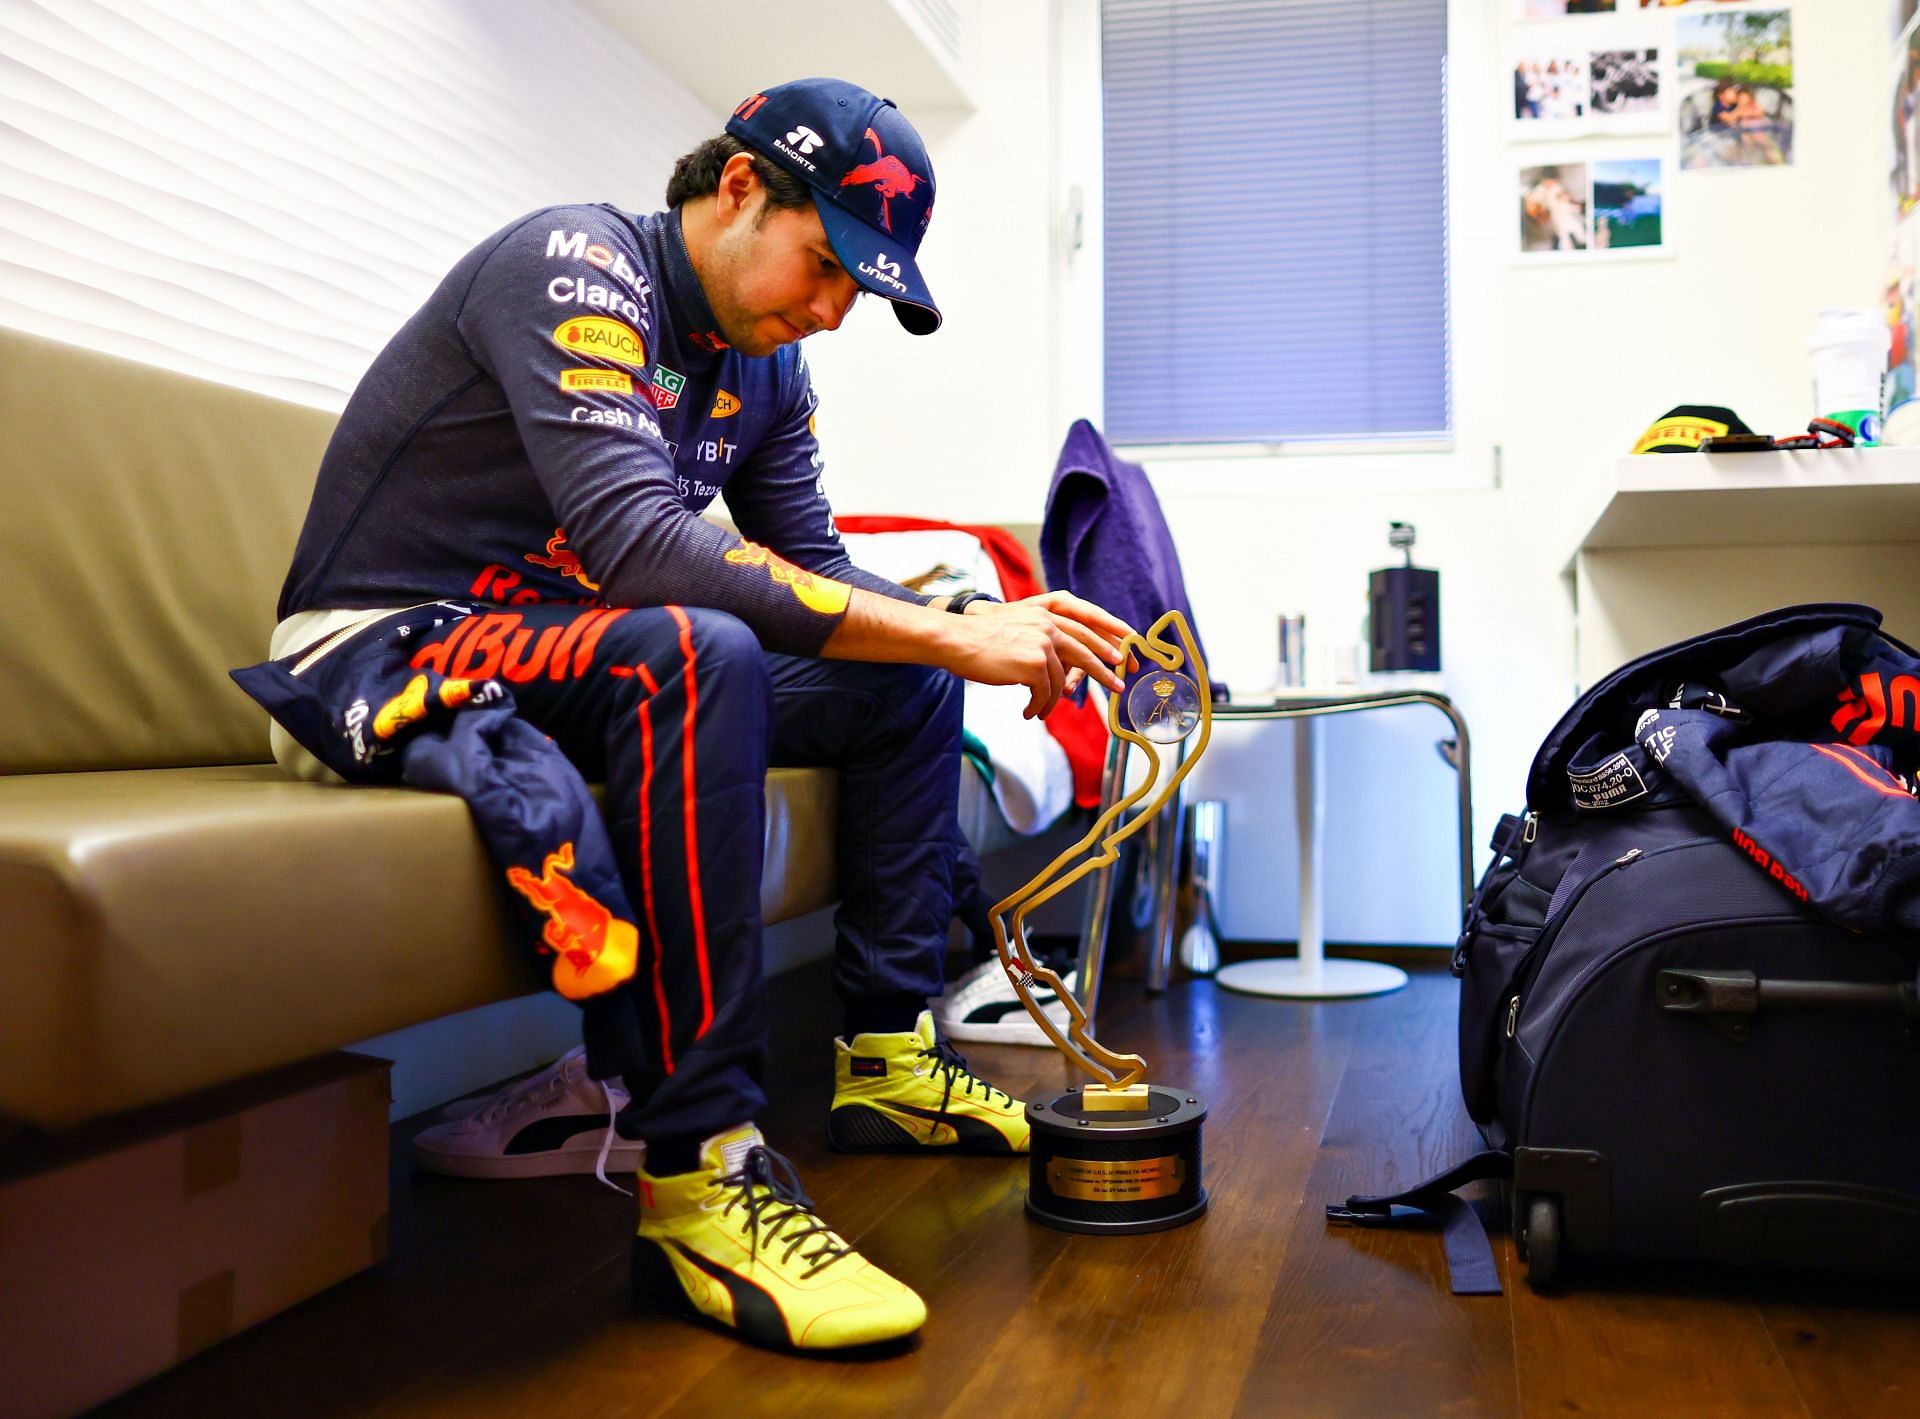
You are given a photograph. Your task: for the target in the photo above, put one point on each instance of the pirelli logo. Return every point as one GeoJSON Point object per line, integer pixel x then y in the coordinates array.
{"type": "Point", "coordinates": [1688, 433]}
{"type": "Point", "coordinates": [609, 381]}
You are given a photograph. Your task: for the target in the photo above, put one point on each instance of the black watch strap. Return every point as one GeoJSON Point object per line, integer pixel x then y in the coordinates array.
{"type": "Point", "coordinates": [960, 600]}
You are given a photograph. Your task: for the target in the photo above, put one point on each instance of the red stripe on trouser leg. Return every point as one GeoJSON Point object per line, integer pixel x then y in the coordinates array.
{"type": "Point", "coordinates": [690, 799]}
{"type": "Point", "coordinates": [646, 860]}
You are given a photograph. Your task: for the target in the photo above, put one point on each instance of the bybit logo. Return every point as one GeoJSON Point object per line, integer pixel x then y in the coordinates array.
{"type": "Point", "coordinates": [806, 139]}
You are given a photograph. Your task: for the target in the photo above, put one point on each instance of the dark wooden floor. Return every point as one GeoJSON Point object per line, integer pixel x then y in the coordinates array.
{"type": "Point", "coordinates": [510, 1298]}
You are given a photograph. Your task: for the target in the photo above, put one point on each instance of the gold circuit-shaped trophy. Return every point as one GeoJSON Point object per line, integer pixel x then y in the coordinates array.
{"type": "Point", "coordinates": [1117, 1155]}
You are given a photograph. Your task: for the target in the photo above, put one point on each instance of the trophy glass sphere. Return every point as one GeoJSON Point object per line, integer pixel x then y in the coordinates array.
{"type": "Point", "coordinates": [1163, 706]}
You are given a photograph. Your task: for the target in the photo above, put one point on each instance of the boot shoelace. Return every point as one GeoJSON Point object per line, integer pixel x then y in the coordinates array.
{"type": "Point", "coordinates": [952, 1067]}
{"type": "Point", "coordinates": [768, 1188]}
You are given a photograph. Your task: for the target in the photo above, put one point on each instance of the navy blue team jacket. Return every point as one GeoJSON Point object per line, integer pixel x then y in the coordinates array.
{"type": "Point", "coordinates": [549, 425]}
{"type": "Point", "coordinates": [1798, 730]}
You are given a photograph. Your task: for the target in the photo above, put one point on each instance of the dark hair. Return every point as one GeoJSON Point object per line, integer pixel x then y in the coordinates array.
{"type": "Point", "coordinates": [698, 175]}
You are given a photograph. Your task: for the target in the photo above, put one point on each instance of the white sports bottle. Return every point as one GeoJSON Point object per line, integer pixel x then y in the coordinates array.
{"type": "Point", "coordinates": [1849, 350]}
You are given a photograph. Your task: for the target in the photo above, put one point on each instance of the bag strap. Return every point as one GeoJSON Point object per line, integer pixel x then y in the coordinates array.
{"type": "Point", "coordinates": [1512, 836]}
{"type": "Point", "coordinates": [1470, 1263]}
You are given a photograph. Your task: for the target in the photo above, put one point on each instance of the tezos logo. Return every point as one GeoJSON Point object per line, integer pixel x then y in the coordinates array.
{"type": "Point", "coordinates": [806, 139]}
{"type": "Point", "coordinates": [886, 272]}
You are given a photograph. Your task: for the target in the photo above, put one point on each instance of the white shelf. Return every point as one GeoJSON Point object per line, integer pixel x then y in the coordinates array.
{"type": "Point", "coordinates": [1806, 496]}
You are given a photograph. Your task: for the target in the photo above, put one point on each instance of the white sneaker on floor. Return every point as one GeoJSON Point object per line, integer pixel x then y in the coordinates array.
{"type": "Point", "coordinates": [982, 1008]}
{"type": "Point", "coordinates": [555, 1122]}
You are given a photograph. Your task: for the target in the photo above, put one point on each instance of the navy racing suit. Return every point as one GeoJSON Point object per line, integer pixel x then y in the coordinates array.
{"type": "Point", "coordinates": [522, 469]}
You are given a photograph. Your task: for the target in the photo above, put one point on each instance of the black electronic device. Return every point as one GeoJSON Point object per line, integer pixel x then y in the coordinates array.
{"type": "Point", "coordinates": [1737, 443]}
{"type": "Point", "coordinates": [1404, 612]}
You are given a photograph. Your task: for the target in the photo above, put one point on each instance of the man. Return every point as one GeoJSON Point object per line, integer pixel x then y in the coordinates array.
{"type": "Point", "coordinates": [541, 436]}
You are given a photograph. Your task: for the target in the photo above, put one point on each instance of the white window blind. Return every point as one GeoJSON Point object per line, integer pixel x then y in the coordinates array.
{"type": "Point", "coordinates": [1276, 241]}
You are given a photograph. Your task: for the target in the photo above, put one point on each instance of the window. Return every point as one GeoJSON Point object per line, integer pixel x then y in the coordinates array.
{"type": "Point", "coordinates": [1276, 236]}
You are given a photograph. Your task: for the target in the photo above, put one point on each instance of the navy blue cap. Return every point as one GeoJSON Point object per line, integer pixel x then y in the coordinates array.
{"type": "Point", "coordinates": [870, 177]}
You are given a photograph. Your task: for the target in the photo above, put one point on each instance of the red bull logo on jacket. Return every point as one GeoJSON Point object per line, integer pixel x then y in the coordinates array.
{"type": "Point", "coordinates": [596, 950]}
{"type": "Point", "coordinates": [1874, 705]}
{"type": "Point", "coordinates": [829, 598]}
{"type": "Point", "coordinates": [559, 557]}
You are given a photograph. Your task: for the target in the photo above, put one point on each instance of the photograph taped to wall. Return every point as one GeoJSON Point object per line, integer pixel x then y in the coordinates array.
{"type": "Point", "coordinates": [1735, 89]}
{"type": "Point", "coordinates": [1555, 205]}
{"type": "Point", "coordinates": [1549, 95]}
{"type": "Point", "coordinates": [1628, 203]}
{"type": "Point", "coordinates": [1902, 384]}
{"type": "Point", "coordinates": [1905, 176]}
{"type": "Point", "coordinates": [1625, 88]}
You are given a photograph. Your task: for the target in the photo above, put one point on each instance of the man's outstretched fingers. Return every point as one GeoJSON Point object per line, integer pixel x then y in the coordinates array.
{"type": "Point", "coordinates": [1084, 648]}
{"type": "Point", "coordinates": [1086, 612]}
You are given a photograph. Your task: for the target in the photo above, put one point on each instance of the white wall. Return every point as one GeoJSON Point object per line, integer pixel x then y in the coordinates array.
{"type": "Point", "coordinates": [260, 194]}
{"type": "Point", "coordinates": [1557, 369]}
{"type": "Point", "coordinates": [964, 424]}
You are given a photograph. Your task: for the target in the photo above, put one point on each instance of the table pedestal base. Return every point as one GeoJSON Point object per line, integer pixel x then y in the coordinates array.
{"type": "Point", "coordinates": [1323, 979]}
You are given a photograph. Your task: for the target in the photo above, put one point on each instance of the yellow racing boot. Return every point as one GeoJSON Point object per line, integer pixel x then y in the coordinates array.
{"type": "Point", "coordinates": [737, 1241]}
{"type": "Point", "coordinates": [908, 1092]}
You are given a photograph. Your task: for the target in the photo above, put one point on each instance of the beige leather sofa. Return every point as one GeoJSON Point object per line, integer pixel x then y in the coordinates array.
{"type": "Point", "coordinates": [174, 913]}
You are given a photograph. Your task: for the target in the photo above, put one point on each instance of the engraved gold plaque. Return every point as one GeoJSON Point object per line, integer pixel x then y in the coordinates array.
{"type": "Point", "coordinates": [1113, 1180]}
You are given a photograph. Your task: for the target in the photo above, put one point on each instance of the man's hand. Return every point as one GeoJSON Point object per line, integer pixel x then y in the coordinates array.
{"type": "Point", "coordinates": [1048, 643]}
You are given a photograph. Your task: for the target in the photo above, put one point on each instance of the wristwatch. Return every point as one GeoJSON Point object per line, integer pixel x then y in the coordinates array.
{"type": "Point", "coordinates": [961, 600]}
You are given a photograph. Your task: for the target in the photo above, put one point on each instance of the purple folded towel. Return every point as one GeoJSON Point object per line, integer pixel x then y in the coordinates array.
{"type": "Point", "coordinates": [1105, 538]}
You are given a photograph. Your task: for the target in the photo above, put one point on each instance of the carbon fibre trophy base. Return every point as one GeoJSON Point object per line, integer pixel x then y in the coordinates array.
{"type": "Point", "coordinates": [1113, 1172]}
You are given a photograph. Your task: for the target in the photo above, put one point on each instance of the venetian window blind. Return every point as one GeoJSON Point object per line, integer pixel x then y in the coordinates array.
{"type": "Point", "coordinates": [260, 194]}
{"type": "Point", "coordinates": [1276, 235]}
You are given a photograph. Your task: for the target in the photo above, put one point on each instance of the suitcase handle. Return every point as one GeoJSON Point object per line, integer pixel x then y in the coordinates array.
{"type": "Point", "coordinates": [1727, 1000]}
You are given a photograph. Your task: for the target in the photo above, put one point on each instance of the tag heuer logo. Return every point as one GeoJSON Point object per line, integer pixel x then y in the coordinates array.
{"type": "Point", "coordinates": [666, 387]}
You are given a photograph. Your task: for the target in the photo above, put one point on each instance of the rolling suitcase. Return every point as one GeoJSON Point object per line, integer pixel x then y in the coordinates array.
{"type": "Point", "coordinates": [1672, 1054]}
{"type": "Point", "coordinates": [1681, 1060]}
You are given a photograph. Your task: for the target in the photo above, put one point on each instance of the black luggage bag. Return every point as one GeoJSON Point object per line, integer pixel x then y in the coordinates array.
{"type": "Point", "coordinates": [1681, 1060]}
{"type": "Point", "coordinates": [1669, 1051]}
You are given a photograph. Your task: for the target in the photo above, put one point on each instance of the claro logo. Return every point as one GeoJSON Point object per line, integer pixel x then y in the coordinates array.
{"type": "Point", "coordinates": [597, 335]}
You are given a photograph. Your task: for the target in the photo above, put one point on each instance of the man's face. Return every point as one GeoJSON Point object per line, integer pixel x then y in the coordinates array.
{"type": "Point", "coordinates": [772, 278]}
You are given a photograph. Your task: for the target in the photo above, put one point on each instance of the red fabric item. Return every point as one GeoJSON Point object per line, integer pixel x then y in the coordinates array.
{"type": "Point", "coordinates": [1079, 729]}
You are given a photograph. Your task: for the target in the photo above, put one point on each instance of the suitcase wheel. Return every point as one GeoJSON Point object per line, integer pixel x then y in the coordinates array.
{"type": "Point", "coordinates": [1541, 1241]}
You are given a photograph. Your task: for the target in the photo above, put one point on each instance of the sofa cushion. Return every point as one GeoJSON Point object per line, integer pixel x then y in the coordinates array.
{"type": "Point", "coordinates": [150, 517]}
{"type": "Point", "coordinates": [162, 930]}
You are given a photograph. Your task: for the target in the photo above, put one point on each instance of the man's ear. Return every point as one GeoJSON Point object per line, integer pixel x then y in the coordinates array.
{"type": "Point", "coordinates": [739, 190]}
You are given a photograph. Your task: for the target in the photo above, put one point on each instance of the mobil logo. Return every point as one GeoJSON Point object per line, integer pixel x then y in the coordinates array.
{"type": "Point", "coordinates": [614, 263]}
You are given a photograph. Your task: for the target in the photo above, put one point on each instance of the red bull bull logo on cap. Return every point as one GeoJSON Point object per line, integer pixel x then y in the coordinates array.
{"type": "Point", "coordinates": [888, 176]}
{"type": "Point", "coordinates": [594, 949]}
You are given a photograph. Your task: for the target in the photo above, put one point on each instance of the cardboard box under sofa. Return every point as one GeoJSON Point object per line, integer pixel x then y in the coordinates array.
{"type": "Point", "coordinates": [128, 1245]}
